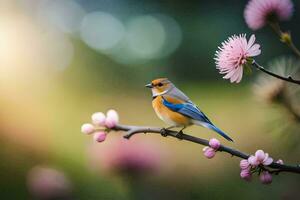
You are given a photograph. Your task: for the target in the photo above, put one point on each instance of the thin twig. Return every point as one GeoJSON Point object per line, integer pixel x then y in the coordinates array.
{"type": "Point", "coordinates": [288, 79]}
{"type": "Point", "coordinates": [276, 28]}
{"type": "Point", "coordinates": [132, 130]}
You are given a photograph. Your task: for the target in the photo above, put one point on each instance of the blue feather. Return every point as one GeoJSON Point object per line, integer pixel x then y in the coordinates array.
{"type": "Point", "coordinates": [192, 111]}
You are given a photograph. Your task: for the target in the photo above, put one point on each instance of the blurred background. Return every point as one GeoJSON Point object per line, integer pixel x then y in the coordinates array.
{"type": "Point", "coordinates": [62, 60]}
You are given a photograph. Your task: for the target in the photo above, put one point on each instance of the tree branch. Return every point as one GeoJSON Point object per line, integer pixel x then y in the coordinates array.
{"type": "Point", "coordinates": [288, 79]}
{"type": "Point", "coordinates": [132, 130]}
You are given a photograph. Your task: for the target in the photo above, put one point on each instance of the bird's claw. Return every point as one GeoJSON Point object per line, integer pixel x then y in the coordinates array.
{"type": "Point", "coordinates": [179, 135]}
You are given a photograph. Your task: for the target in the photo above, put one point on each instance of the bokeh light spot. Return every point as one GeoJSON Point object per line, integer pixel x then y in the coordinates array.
{"type": "Point", "coordinates": [101, 31]}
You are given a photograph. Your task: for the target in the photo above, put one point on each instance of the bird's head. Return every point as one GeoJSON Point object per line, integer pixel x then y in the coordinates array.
{"type": "Point", "coordinates": [160, 86]}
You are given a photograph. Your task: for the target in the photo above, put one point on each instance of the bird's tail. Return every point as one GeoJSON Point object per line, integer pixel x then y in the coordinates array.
{"type": "Point", "coordinates": [214, 128]}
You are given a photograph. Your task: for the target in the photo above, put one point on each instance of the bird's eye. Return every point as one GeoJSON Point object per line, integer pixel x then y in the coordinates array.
{"type": "Point", "coordinates": [160, 84]}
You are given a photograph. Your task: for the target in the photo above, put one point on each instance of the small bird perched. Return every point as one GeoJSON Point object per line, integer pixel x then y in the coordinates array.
{"type": "Point", "coordinates": [176, 109]}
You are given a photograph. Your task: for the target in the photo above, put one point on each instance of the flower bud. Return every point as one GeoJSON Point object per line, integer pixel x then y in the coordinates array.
{"type": "Point", "coordinates": [112, 119]}
{"type": "Point", "coordinates": [244, 164]}
{"type": "Point", "coordinates": [209, 152]}
{"type": "Point", "coordinates": [100, 136]}
{"type": "Point", "coordinates": [87, 128]}
{"type": "Point", "coordinates": [279, 161]}
{"type": "Point", "coordinates": [265, 177]}
{"type": "Point", "coordinates": [98, 118]}
{"type": "Point", "coordinates": [246, 174]}
{"type": "Point", "coordinates": [214, 143]}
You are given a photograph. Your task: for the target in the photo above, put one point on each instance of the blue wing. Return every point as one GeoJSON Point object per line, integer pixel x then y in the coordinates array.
{"type": "Point", "coordinates": [190, 110]}
{"type": "Point", "coordinates": [187, 109]}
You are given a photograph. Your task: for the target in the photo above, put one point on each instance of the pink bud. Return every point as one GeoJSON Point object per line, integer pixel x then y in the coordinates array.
{"type": "Point", "coordinates": [265, 177]}
{"type": "Point", "coordinates": [279, 161]}
{"type": "Point", "coordinates": [87, 128]}
{"type": "Point", "coordinates": [260, 155]}
{"type": "Point", "coordinates": [99, 136]}
{"type": "Point", "coordinates": [214, 143]}
{"type": "Point", "coordinates": [209, 152]}
{"type": "Point", "coordinates": [112, 119]}
{"type": "Point", "coordinates": [246, 174]}
{"type": "Point", "coordinates": [253, 161]}
{"type": "Point", "coordinates": [244, 164]}
{"type": "Point", "coordinates": [98, 118]}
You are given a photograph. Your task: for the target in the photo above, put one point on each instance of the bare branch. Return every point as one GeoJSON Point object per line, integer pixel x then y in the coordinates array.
{"type": "Point", "coordinates": [288, 79]}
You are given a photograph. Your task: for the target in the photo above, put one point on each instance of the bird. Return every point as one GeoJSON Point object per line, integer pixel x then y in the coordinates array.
{"type": "Point", "coordinates": [176, 109]}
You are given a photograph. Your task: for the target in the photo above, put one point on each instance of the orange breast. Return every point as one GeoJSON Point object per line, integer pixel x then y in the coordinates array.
{"type": "Point", "coordinates": [167, 115]}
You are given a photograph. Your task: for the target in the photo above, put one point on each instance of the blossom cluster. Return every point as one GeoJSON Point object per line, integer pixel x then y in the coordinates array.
{"type": "Point", "coordinates": [101, 124]}
{"type": "Point", "coordinates": [210, 151]}
{"type": "Point", "coordinates": [257, 163]}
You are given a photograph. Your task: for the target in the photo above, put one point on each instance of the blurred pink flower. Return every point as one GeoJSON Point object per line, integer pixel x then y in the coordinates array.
{"type": "Point", "coordinates": [244, 164]}
{"type": "Point", "coordinates": [99, 136]}
{"type": "Point", "coordinates": [127, 156]}
{"type": "Point", "coordinates": [259, 12]}
{"type": "Point", "coordinates": [214, 143]}
{"type": "Point", "coordinates": [98, 119]}
{"type": "Point", "coordinates": [48, 183]}
{"type": "Point", "coordinates": [234, 54]}
{"type": "Point", "coordinates": [112, 118]}
{"type": "Point", "coordinates": [209, 152]}
{"type": "Point", "coordinates": [265, 177]}
{"type": "Point", "coordinates": [87, 128]}
{"type": "Point", "coordinates": [246, 174]}
{"type": "Point", "coordinates": [279, 161]}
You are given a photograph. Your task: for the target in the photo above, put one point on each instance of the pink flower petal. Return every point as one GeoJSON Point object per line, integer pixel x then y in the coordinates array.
{"type": "Point", "coordinates": [209, 152]}
{"type": "Point", "coordinates": [267, 161]}
{"type": "Point", "coordinates": [234, 54]}
{"type": "Point", "coordinates": [253, 161]}
{"type": "Point", "coordinates": [214, 143]}
{"type": "Point", "coordinates": [260, 155]}
{"type": "Point", "coordinates": [244, 164]}
{"type": "Point", "coordinates": [257, 12]}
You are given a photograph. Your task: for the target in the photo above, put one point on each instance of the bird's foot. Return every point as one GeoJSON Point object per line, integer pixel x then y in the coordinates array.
{"type": "Point", "coordinates": [164, 132]}
{"type": "Point", "coordinates": [179, 135]}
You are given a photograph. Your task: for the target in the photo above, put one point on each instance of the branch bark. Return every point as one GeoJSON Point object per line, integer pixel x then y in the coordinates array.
{"type": "Point", "coordinates": [132, 130]}
{"type": "Point", "coordinates": [288, 79]}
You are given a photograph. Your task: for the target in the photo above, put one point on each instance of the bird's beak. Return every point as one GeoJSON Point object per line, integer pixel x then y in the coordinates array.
{"type": "Point", "coordinates": [149, 85]}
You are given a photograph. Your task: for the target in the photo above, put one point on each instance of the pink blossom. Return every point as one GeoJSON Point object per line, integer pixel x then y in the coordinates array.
{"type": "Point", "coordinates": [244, 164]}
{"type": "Point", "coordinates": [267, 160]}
{"type": "Point", "coordinates": [246, 174]}
{"type": "Point", "coordinates": [279, 161]}
{"type": "Point", "coordinates": [48, 183]}
{"type": "Point", "coordinates": [234, 54]}
{"type": "Point", "coordinates": [98, 118]}
{"type": "Point", "coordinates": [253, 161]}
{"type": "Point", "coordinates": [209, 152]}
{"type": "Point", "coordinates": [260, 155]}
{"type": "Point", "coordinates": [112, 119]}
{"type": "Point", "coordinates": [100, 136]}
{"type": "Point", "coordinates": [265, 177]}
{"type": "Point", "coordinates": [214, 143]}
{"type": "Point", "coordinates": [87, 128]}
{"type": "Point", "coordinates": [259, 12]}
